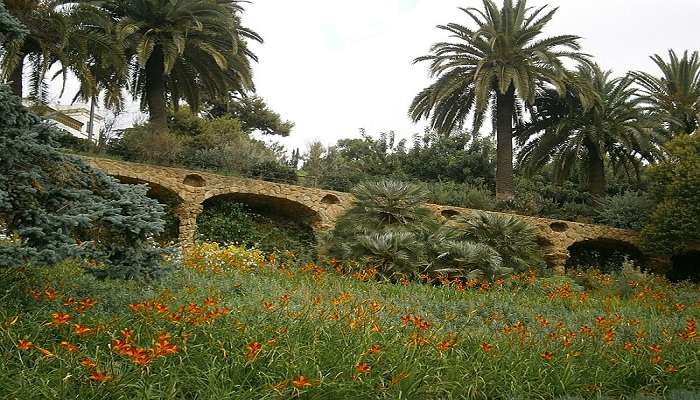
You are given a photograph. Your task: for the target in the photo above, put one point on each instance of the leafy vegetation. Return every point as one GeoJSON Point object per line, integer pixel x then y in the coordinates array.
{"type": "Point", "coordinates": [673, 225]}
{"type": "Point", "coordinates": [233, 324]}
{"type": "Point", "coordinates": [52, 206]}
{"type": "Point", "coordinates": [228, 222]}
{"type": "Point", "coordinates": [391, 229]}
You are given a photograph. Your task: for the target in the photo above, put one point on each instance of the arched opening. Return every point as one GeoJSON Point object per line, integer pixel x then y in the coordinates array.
{"type": "Point", "coordinates": [166, 197]}
{"type": "Point", "coordinates": [559, 226]}
{"type": "Point", "coordinates": [607, 255]}
{"type": "Point", "coordinates": [194, 180]}
{"type": "Point", "coordinates": [330, 199]}
{"type": "Point", "coordinates": [271, 224]}
{"type": "Point", "coordinates": [685, 266]}
{"type": "Point", "coordinates": [450, 213]}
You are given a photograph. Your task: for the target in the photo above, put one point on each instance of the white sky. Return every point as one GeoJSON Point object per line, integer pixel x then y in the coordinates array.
{"type": "Point", "coordinates": [334, 66]}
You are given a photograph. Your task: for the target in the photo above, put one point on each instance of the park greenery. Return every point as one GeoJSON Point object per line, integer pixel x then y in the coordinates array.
{"type": "Point", "coordinates": [395, 301]}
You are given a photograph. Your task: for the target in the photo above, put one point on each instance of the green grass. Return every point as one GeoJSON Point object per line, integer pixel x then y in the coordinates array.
{"type": "Point", "coordinates": [317, 323]}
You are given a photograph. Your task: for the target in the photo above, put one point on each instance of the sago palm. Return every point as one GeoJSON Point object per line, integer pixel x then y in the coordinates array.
{"type": "Point", "coordinates": [566, 133]}
{"type": "Point", "coordinates": [497, 63]}
{"type": "Point", "coordinates": [674, 98]}
{"type": "Point", "coordinates": [182, 50]}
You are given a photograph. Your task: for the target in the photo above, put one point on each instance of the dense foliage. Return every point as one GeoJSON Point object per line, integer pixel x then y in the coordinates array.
{"type": "Point", "coordinates": [228, 222]}
{"type": "Point", "coordinates": [391, 229]}
{"type": "Point", "coordinates": [232, 324]}
{"type": "Point", "coordinates": [52, 206]}
{"type": "Point", "coordinates": [673, 228]}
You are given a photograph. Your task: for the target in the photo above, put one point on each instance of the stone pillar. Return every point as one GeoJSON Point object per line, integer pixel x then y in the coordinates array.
{"type": "Point", "coordinates": [557, 259]}
{"type": "Point", "coordinates": [188, 213]}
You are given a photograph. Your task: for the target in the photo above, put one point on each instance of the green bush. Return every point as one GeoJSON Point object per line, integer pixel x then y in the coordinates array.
{"type": "Point", "coordinates": [514, 240]}
{"type": "Point", "coordinates": [273, 171]}
{"type": "Point", "coordinates": [391, 229]}
{"type": "Point", "coordinates": [228, 222]}
{"type": "Point", "coordinates": [673, 226]}
{"type": "Point", "coordinates": [461, 195]}
{"type": "Point", "coordinates": [630, 210]}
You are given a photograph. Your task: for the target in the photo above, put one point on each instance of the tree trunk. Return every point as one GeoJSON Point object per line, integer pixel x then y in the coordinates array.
{"type": "Point", "coordinates": [16, 84]}
{"type": "Point", "coordinates": [155, 91]}
{"type": "Point", "coordinates": [505, 107]}
{"type": "Point", "coordinates": [597, 184]}
{"type": "Point", "coordinates": [91, 122]}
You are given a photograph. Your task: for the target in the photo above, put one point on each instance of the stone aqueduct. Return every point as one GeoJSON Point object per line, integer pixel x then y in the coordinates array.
{"type": "Point", "coordinates": [320, 208]}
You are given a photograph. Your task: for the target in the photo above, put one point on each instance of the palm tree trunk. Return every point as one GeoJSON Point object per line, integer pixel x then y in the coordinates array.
{"type": "Point", "coordinates": [16, 77]}
{"type": "Point", "coordinates": [91, 122]}
{"type": "Point", "coordinates": [505, 107]}
{"type": "Point", "coordinates": [597, 184]}
{"type": "Point", "coordinates": [155, 91]}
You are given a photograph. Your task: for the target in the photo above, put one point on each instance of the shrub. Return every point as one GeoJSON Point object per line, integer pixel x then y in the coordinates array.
{"type": "Point", "coordinates": [55, 207]}
{"type": "Point", "coordinates": [514, 240]}
{"type": "Point", "coordinates": [391, 229]}
{"type": "Point", "coordinates": [274, 171]}
{"type": "Point", "coordinates": [673, 226]}
{"type": "Point", "coordinates": [461, 195]}
{"type": "Point", "coordinates": [141, 144]}
{"type": "Point", "coordinates": [228, 222]}
{"type": "Point", "coordinates": [630, 210]}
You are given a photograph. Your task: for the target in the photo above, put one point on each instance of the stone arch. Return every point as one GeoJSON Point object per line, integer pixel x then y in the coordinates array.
{"type": "Point", "coordinates": [604, 253]}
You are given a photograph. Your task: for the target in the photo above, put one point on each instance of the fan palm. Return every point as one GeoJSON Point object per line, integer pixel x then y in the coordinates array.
{"type": "Point", "coordinates": [498, 63]}
{"type": "Point", "coordinates": [565, 132]}
{"type": "Point", "coordinates": [41, 48]}
{"type": "Point", "coordinates": [675, 97]}
{"type": "Point", "coordinates": [182, 50]}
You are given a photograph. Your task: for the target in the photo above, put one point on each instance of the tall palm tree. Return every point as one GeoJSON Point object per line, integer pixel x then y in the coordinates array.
{"type": "Point", "coordinates": [566, 133]}
{"type": "Point", "coordinates": [674, 97]}
{"type": "Point", "coordinates": [499, 63]}
{"type": "Point", "coordinates": [41, 48]}
{"type": "Point", "coordinates": [182, 50]}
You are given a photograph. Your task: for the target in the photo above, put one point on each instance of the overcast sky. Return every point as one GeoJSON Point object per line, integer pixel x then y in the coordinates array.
{"type": "Point", "coordinates": [334, 66]}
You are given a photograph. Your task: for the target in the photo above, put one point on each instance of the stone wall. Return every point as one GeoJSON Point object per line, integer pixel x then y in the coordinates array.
{"type": "Point", "coordinates": [320, 208]}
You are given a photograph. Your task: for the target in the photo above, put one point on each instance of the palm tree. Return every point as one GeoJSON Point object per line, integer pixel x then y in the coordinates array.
{"type": "Point", "coordinates": [42, 47]}
{"type": "Point", "coordinates": [675, 97]}
{"type": "Point", "coordinates": [498, 64]}
{"type": "Point", "coordinates": [181, 50]}
{"type": "Point", "coordinates": [565, 132]}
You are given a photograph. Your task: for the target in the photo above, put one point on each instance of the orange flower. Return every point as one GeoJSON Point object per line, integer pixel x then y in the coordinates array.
{"type": "Point", "coordinates": [70, 347]}
{"type": "Point", "coordinates": [679, 306]}
{"type": "Point", "coordinates": [81, 329]}
{"type": "Point", "coordinates": [268, 306]}
{"type": "Point", "coordinates": [587, 330]}
{"type": "Point", "coordinates": [59, 318]}
{"type": "Point", "coordinates": [671, 369]}
{"type": "Point", "coordinates": [628, 346]}
{"type": "Point", "coordinates": [127, 334]}
{"type": "Point", "coordinates": [486, 347]}
{"type": "Point", "coordinates": [301, 382]}
{"type": "Point", "coordinates": [374, 349]}
{"type": "Point", "coordinates": [547, 356]}
{"type": "Point", "coordinates": [98, 376]}
{"type": "Point", "coordinates": [50, 294]}
{"type": "Point", "coordinates": [599, 321]}
{"type": "Point", "coordinates": [656, 359]}
{"type": "Point", "coordinates": [655, 348]}
{"type": "Point", "coordinates": [633, 322]}
{"type": "Point", "coordinates": [363, 368]}
{"type": "Point", "coordinates": [36, 294]}
{"type": "Point", "coordinates": [161, 309]}
{"type": "Point", "coordinates": [25, 344]}
{"type": "Point", "coordinates": [609, 336]}
{"type": "Point", "coordinates": [284, 298]}
{"type": "Point", "coordinates": [252, 350]}
{"type": "Point", "coordinates": [88, 363]}
{"type": "Point", "coordinates": [445, 345]}
{"type": "Point", "coordinates": [210, 301]}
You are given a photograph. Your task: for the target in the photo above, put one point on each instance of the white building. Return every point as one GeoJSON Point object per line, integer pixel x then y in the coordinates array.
{"type": "Point", "coordinates": [74, 119]}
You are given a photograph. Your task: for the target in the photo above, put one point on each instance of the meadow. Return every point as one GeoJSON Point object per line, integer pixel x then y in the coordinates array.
{"type": "Point", "coordinates": [238, 324]}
